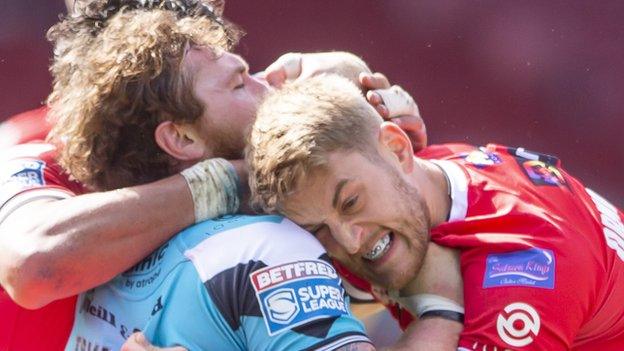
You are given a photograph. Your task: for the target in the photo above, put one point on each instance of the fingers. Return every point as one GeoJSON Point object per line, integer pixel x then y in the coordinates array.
{"type": "Point", "coordinates": [415, 129]}
{"type": "Point", "coordinates": [377, 102]}
{"type": "Point", "coordinates": [138, 342]}
{"type": "Point", "coordinates": [383, 111]}
{"type": "Point", "coordinates": [370, 81]}
{"type": "Point", "coordinates": [397, 105]}
{"type": "Point", "coordinates": [398, 101]}
{"type": "Point", "coordinates": [286, 67]}
{"type": "Point", "coordinates": [374, 98]}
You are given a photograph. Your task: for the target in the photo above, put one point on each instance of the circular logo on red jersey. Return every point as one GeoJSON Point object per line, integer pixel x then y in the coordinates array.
{"type": "Point", "coordinates": [518, 324]}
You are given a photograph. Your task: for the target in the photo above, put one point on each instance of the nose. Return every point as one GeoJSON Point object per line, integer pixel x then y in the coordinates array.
{"type": "Point", "coordinates": [259, 84]}
{"type": "Point", "coordinates": [348, 235]}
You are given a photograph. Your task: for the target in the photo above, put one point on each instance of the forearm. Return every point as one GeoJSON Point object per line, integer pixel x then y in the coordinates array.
{"type": "Point", "coordinates": [59, 248]}
{"type": "Point", "coordinates": [358, 346]}
{"type": "Point", "coordinates": [430, 334]}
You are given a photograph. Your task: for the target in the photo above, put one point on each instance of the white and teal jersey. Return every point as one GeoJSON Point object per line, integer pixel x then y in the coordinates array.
{"type": "Point", "coordinates": [235, 283]}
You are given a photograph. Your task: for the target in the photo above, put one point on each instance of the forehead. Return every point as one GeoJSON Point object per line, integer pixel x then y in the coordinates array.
{"type": "Point", "coordinates": [212, 66]}
{"type": "Point", "coordinates": [316, 193]}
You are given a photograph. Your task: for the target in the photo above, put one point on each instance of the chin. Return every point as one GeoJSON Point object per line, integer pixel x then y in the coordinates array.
{"type": "Point", "coordinates": [393, 281]}
{"type": "Point", "coordinates": [399, 283]}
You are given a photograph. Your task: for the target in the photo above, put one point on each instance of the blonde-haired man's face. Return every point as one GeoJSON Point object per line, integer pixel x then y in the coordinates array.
{"type": "Point", "coordinates": [367, 215]}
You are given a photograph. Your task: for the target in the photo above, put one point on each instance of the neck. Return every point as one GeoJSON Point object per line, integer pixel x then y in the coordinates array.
{"type": "Point", "coordinates": [434, 188]}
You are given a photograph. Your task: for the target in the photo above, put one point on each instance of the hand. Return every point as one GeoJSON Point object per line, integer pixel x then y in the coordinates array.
{"type": "Point", "coordinates": [138, 342]}
{"type": "Point", "coordinates": [395, 104]}
{"type": "Point", "coordinates": [297, 66]}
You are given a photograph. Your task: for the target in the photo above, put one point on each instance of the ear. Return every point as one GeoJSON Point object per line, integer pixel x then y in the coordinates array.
{"type": "Point", "coordinates": [394, 139]}
{"type": "Point", "coordinates": [181, 141]}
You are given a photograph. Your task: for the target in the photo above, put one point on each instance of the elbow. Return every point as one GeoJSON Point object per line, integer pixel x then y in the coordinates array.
{"type": "Point", "coordinates": [26, 280]}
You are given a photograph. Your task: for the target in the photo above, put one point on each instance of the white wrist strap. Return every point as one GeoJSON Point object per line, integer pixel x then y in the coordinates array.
{"type": "Point", "coordinates": [398, 102]}
{"type": "Point", "coordinates": [423, 303]}
{"type": "Point", "coordinates": [214, 187]}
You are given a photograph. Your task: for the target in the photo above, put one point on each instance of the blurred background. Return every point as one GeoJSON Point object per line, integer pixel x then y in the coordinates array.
{"type": "Point", "coordinates": [545, 75]}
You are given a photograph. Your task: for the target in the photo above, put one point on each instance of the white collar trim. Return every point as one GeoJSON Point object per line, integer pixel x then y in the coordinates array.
{"type": "Point", "coordinates": [459, 189]}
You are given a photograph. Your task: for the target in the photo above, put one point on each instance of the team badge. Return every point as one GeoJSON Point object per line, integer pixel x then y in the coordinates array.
{"type": "Point", "coordinates": [542, 173]}
{"type": "Point", "coordinates": [20, 174]}
{"type": "Point", "coordinates": [532, 268]}
{"type": "Point", "coordinates": [24, 173]}
{"type": "Point", "coordinates": [518, 324]}
{"type": "Point", "coordinates": [296, 293]}
{"type": "Point", "coordinates": [482, 158]}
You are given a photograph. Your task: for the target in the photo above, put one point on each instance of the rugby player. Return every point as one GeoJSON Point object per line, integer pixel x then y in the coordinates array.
{"type": "Point", "coordinates": [82, 240]}
{"type": "Point", "coordinates": [540, 255]}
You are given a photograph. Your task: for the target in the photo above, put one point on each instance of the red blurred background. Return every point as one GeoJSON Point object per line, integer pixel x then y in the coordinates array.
{"type": "Point", "coordinates": [546, 75]}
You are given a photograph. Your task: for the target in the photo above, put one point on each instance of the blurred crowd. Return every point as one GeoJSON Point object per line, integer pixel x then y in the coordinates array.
{"type": "Point", "coordinates": [546, 75]}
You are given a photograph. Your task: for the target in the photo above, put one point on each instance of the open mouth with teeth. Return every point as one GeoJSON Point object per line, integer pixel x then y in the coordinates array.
{"type": "Point", "coordinates": [381, 247]}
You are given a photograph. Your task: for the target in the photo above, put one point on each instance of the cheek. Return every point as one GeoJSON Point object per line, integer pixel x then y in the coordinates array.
{"type": "Point", "coordinates": [243, 110]}
{"type": "Point", "coordinates": [330, 244]}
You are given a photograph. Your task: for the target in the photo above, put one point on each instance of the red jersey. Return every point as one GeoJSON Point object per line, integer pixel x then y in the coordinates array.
{"type": "Point", "coordinates": [29, 172]}
{"type": "Point", "coordinates": [541, 255]}
{"type": "Point", "coordinates": [25, 127]}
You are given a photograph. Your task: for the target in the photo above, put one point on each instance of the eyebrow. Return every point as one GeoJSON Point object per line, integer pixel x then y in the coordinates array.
{"type": "Point", "coordinates": [235, 72]}
{"type": "Point", "coordinates": [337, 191]}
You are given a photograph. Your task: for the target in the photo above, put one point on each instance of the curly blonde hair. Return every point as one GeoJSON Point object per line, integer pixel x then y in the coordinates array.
{"type": "Point", "coordinates": [115, 79]}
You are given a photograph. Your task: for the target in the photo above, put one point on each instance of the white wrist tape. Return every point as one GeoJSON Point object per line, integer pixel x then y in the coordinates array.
{"type": "Point", "coordinates": [398, 102]}
{"type": "Point", "coordinates": [423, 303]}
{"type": "Point", "coordinates": [214, 186]}
{"type": "Point", "coordinates": [292, 65]}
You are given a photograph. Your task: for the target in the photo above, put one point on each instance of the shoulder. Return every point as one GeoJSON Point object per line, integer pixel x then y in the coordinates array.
{"type": "Point", "coordinates": [440, 151]}
{"type": "Point", "coordinates": [29, 172]}
{"type": "Point", "coordinates": [219, 244]}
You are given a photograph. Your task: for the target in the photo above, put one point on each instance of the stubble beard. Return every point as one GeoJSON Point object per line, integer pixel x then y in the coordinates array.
{"type": "Point", "coordinates": [414, 229]}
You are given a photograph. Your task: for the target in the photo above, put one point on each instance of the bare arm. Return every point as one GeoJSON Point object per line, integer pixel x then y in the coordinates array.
{"type": "Point", "coordinates": [429, 334]}
{"type": "Point", "coordinates": [358, 346]}
{"type": "Point", "coordinates": [54, 249]}
{"type": "Point", "coordinates": [439, 275]}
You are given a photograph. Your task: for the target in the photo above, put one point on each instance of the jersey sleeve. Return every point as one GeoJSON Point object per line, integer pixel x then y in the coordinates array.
{"type": "Point", "coordinates": [280, 291]}
{"type": "Point", "coordinates": [28, 172]}
{"type": "Point", "coordinates": [189, 317]}
{"type": "Point", "coordinates": [308, 310]}
{"type": "Point", "coordinates": [532, 299]}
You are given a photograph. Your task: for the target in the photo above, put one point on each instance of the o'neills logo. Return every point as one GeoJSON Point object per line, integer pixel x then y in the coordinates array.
{"type": "Point", "coordinates": [270, 276]}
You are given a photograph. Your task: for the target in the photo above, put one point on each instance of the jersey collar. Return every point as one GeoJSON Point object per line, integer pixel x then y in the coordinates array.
{"type": "Point", "coordinates": [459, 189]}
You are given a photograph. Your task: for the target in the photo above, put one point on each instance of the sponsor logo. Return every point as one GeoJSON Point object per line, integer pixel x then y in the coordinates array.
{"type": "Point", "coordinates": [533, 268]}
{"type": "Point", "coordinates": [98, 311]}
{"type": "Point", "coordinates": [148, 264]}
{"type": "Point", "coordinates": [146, 272]}
{"type": "Point", "coordinates": [282, 305]}
{"type": "Point", "coordinates": [524, 154]}
{"type": "Point", "coordinates": [482, 158]}
{"type": "Point", "coordinates": [612, 226]}
{"type": "Point", "coordinates": [158, 306]}
{"type": "Point", "coordinates": [25, 173]}
{"type": "Point", "coordinates": [83, 344]}
{"type": "Point", "coordinates": [518, 324]}
{"type": "Point", "coordinates": [296, 293]}
{"type": "Point", "coordinates": [541, 173]}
